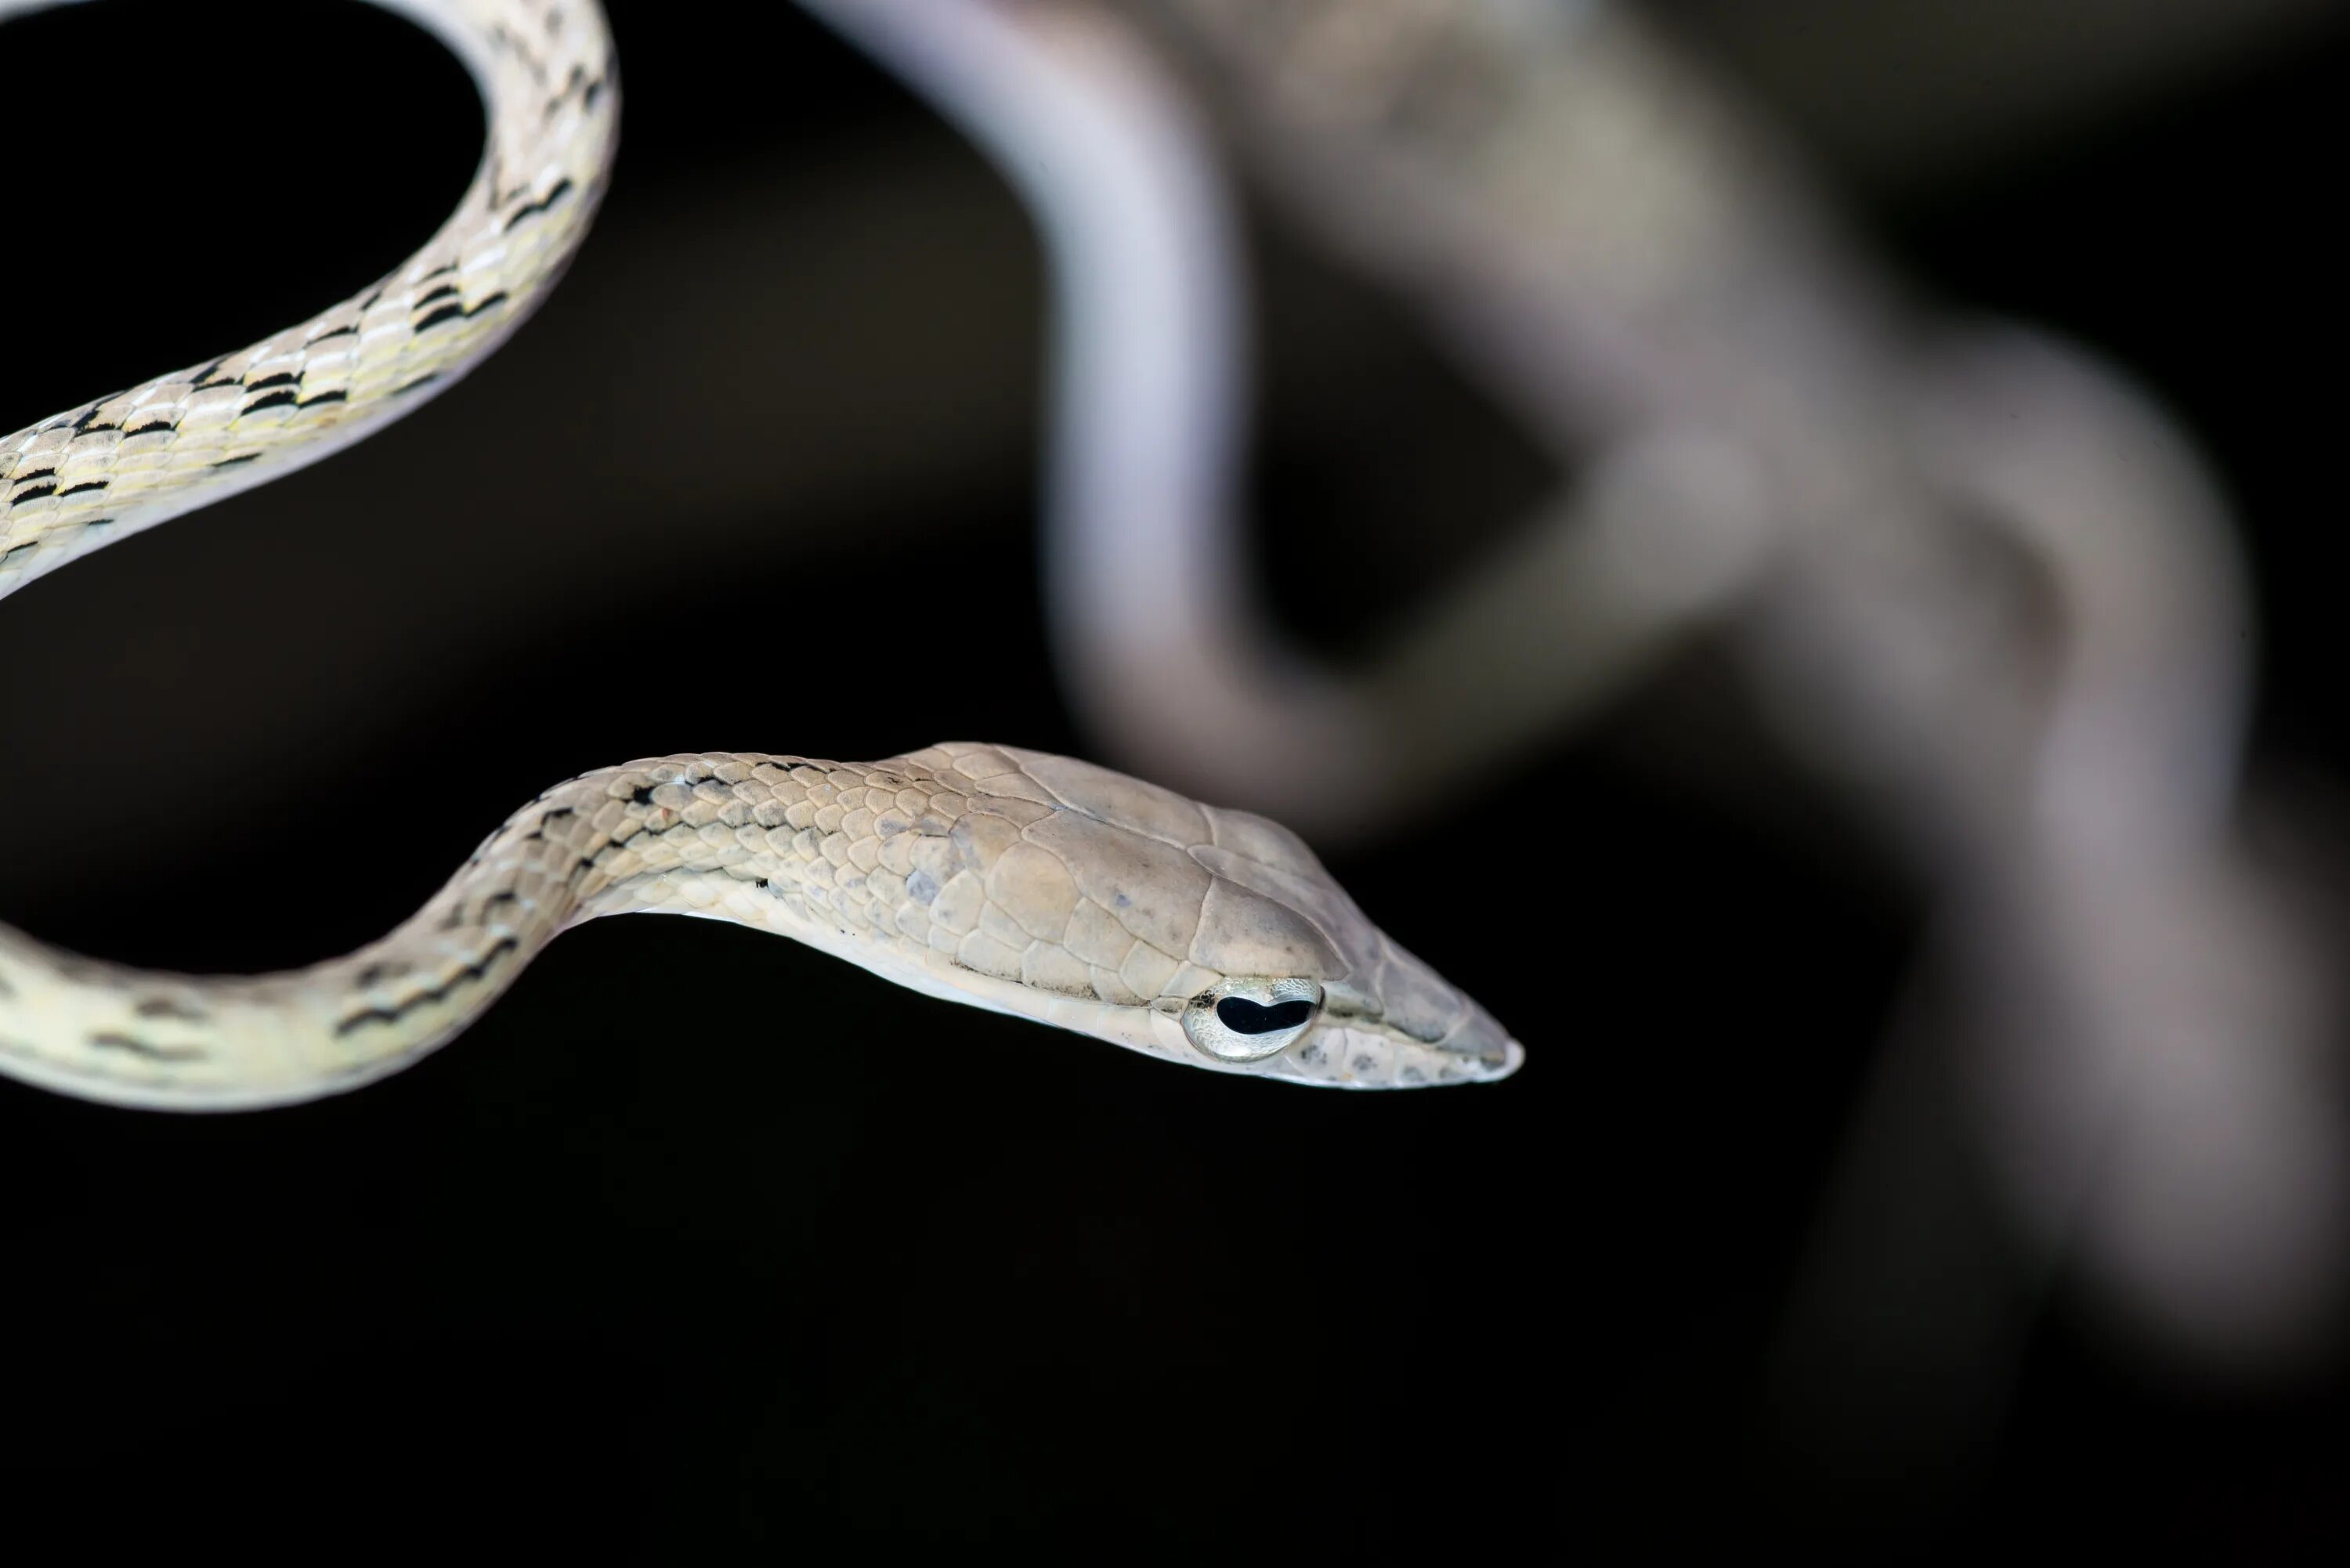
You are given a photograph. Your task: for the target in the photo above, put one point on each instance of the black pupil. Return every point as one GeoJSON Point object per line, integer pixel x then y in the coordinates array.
{"type": "Point", "coordinates": [1244, 1017]}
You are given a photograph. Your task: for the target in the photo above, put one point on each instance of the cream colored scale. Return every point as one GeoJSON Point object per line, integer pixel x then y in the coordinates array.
{"type": "Point", "coordinates": [1013, 880]}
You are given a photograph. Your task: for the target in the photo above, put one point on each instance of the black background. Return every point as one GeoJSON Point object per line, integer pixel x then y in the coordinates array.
{"type": "Point", "coordinates": [701, 1246]}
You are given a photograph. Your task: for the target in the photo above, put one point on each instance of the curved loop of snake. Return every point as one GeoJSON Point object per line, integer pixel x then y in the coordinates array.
{"type": "Point", "coordinates": [1080, 107]}
{"type": "Point", "coordinates": [1028, 884]}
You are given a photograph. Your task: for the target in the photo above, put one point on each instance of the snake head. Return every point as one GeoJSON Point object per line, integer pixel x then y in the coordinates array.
{"type": "Point", "coordinates": [1384, 1019]}
{"type": "Point", "coordinates": [1203, 935]}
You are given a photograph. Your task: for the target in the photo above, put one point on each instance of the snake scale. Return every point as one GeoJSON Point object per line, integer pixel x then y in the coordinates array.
{"type": "Point", "coordinates": [1028, 884]}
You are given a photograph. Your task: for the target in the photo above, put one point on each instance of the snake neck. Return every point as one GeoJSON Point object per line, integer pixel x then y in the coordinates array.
{"type": "Point", "coordinates": [691, 835]}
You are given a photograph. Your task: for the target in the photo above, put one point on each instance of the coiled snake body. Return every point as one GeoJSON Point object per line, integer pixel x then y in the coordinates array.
{"type": "Point", "coordinates": [1025, 883]}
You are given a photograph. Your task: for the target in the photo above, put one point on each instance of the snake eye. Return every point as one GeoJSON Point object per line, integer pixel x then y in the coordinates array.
{"type": "Point", "coordinates": [1243, 1016]}
{"type": "Point", "coordinates": [1250, 1019]}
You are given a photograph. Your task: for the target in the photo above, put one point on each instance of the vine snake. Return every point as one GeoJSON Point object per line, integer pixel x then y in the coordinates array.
{"type": "Point", "coordinates": [1028, 884]}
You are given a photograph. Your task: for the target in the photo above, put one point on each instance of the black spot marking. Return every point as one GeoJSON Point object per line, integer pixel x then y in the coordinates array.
{"type": "Point", "coordinates": [275, 378]}
{"type": "Point", "coordinates": [446, 291]}
{"type": "Point", "coordinates": [426, 380]}
{"type": "Point", "coordinates": [562, 188]}
{"type": "Point", "coordinates": [489, 302]}
{"type": "Point", "coordinates": [573, 83]}
{"type": "Point", "coordinates": [94, 430]}
{"type": "Point", "coordinates": [34, 494]}
{"type": "Point", "coordinates": [283, 399]}
{"type": "Point", "coordinates": [643, 796]}
{"type": "Point", "coordinates": [224, 382]}
{"type": "Point", "coordinates": [113, 1041]}
{"type": "Point", "coordinates": [164, 1007]}
{"type": "Point", "coordinates": [331, 332]}
{"type": "Point", "coordinates": [160, 427]}
{"type": "Point", "coordinates": [240, 458]}
{"type": "Point", "coordinates": [335, 397]}
{"type": "Point", "coordinates": [473, 971]}
{"type": "Point", "coordinates": [441, 314]}
{"type": "Point", "coordinates": [85, 487]}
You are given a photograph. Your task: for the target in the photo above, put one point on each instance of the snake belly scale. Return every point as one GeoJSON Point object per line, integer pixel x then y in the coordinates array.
{"type": "Point", "coordinates": [1025, 883]}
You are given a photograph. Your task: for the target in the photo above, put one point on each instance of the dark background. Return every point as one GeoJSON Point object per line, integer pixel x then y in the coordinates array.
{"type": "Point", "coordinates": [701, 1246]}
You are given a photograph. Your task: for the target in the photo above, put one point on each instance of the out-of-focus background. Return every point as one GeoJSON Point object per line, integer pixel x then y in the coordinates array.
{"type": "Point", "coordinates": [702, 1244]}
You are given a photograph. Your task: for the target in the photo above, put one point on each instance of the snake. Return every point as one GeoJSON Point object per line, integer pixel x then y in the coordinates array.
{"type": "Point", "coordinates": [1037, 886]}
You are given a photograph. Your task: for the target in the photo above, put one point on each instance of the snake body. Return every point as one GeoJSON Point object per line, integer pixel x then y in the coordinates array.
{"type": "Point", "coordinates": [1025, 883]}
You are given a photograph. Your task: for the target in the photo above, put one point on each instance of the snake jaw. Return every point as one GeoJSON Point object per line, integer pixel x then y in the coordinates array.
{"type": "Point", "coordinates": [1400, 1027]}
{"type": "Point", "coordinates": [1350, 1051]}
{"type": "Point", "coordinates": [1360, 1055]}
{"type": "Point", "coordinates": [1348, 1056]}
{"type": "Point", "coordinates": [1349, 1046]}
